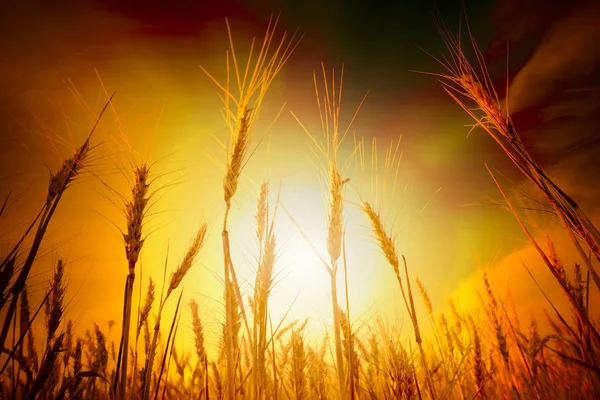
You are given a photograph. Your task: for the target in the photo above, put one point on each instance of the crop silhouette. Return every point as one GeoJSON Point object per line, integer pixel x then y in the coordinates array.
{"type": "Point", "coordinates": [456, 356]}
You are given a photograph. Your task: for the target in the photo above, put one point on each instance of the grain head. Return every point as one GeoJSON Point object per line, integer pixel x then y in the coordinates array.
{"type": "Point", "coordinates": [189, 259]}
{"type": "Point", "coordinates": [135, 211]}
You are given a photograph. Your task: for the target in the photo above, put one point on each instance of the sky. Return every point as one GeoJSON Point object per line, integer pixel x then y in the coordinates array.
{"type": "Point", "coordinates": [168, 114]}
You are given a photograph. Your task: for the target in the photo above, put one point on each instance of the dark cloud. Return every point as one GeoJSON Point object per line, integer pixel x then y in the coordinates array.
{"type": "Point", "coordinates": [176, 17]}
{"type": "Point", "coordinates": [554, 99]}
{"type": "Point", "coordinates": [554, 95]}
{"type": "Point", "coordinates": [521, 23]}
{"type": "Point", "coordinates": [566, 58]}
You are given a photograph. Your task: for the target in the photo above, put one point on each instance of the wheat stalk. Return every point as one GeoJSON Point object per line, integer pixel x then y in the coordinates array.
{"type": "Point", "coordinates": [386, 243]}
{"type": "Point", "coordinates": [263, 285]}
{"type": "Point", "coordinates": [425, 297]}
{"type": "Point", "coordinates": [143, 314]}
{"type": "Point", "coordinates": [59, 182]}
{"type": "Point", "coordinates": [187, 262]}
{"type": "Point", "coordinates": [146, 307]}
{"type": "Point", "coordinates": [388, 247]}
{"type": "Point", "coordinates": [237, 155]}
{"type": "Point", "coordinates": [198, 331]}
{"type": "Point", "coordinates": [47, 368]}
{"type": "Point", "coordinates": [174, 282]}
{"type": "Point", "coordinates": [479, 368]}
{"type": "Point", "coordinates": [329, 113]}
{"type": "Point", "coordinates": [461, 79]}
{"type": "Point", "coordinates": [135, 212]}
{"type": "Point", "coordinates": [54, 307]}
{"type": "Point", "coordinates": [298, 362]}
{"type": "Point", "coordinates": [24, 320]}
{"type": "Point", "coordinates": [335, 214]}
{"type": "Point", "coordinates": [252, 85]}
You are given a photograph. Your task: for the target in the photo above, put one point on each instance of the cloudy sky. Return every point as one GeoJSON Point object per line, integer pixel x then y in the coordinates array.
{"type": "Point", "coordinates": [60, 57]}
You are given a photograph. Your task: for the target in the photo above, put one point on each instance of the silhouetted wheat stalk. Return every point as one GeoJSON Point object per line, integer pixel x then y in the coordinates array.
{"type": "Point", "coordinates": [70, 169]}
{"type": "Point", "coordinates": [462, 80]}
{"type": "Point", "coordinates": [135, 212]}
{"type": "Point", "coordinates": [174, 282]}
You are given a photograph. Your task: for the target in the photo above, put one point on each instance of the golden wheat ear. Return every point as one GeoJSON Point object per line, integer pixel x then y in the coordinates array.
{"type": "Point", "coordinates": [198, 331]}
{"type": "Point", "coordinates": [59, 182]}
{"type": "Point", "coordinates": [135, 213]}
{"type": "Point", "coordinates": [252, 85]}
{"type": "Point", "coordinates": [462, 81]}
{"type": "Point", "coordinates": [189, 259]}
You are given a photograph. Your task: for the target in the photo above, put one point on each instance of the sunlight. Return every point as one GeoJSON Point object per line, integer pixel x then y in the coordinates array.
{"type": "Point", "coordinates": [290, 237]}
{"type": "Point", "coordinates": [299, 262]}
{"type": "Point", "coordinates": [301, 282]}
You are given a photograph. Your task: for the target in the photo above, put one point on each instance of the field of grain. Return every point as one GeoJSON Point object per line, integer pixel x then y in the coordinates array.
{"type": "Point", "coordinates": [158, 348]}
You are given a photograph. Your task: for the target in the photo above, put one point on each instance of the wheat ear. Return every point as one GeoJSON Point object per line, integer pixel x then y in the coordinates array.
{"type": "Point", "coordinates": [135, 211]}
{"type": "Point", "coordinates": [58, 185]}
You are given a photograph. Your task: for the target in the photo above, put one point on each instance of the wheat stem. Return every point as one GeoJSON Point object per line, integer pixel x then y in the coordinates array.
{"type": "Point", "coordinates": [58, 184]}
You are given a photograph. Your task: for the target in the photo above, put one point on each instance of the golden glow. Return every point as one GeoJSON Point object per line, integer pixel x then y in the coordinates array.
{"type": "Point", "coordinates": [172, 118]}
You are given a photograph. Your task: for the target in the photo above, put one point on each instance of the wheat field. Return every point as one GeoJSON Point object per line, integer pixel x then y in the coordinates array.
{"type": "Point", "coordinates": [159, 345]}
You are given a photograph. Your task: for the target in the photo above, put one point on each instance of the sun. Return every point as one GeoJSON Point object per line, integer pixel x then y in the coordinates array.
{"type": "Point", "coordinates": [302, 281]}
{"type": "Point", "coordinates": [302, 284]}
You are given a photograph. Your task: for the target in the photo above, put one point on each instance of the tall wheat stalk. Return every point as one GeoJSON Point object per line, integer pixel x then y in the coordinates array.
{"type": "Point", "coordinates": [261, 223]}
{"type": "Point", "coordinates": [265, 232]}
{"type": "Point", "coordinates": [135, 212]}
{"type": "Point", "coordinates": [334, 239]}
{"type": "Point", "coordinates": [388, 247]}
{"type": "Point", "coordinates": [347, 323]}
{"type": "Point", "coordinates": [329, 104]}
{"type": "Point", "coordinates": [252, 84]}
{"type": "Point", "coordinates": [70, 169]}
{"type": "Point", "coordinates": [143, 314]}
{"type": "Point", "coordinates": [169, 345]}
{"type": "Point", "coordinates": [462, 80]}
